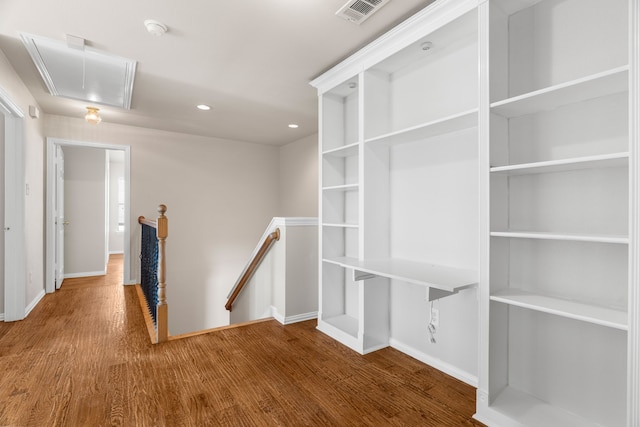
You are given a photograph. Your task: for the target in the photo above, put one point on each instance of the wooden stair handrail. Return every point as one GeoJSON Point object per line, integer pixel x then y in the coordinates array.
{"type": "Point", "coordinates": [149, 222]}
{"type": "Point", "coordinates": [162, 309]}
{"type": "Point", "coordinates": [251, 269]}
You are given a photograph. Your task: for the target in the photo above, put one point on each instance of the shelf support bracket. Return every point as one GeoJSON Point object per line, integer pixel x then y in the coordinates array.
{"type": "Point", "coordinates": [435, 293]}
{"type": "Point", "coordinates": [361, 275]}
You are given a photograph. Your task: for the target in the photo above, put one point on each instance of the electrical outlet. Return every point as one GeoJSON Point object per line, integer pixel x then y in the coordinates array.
{"type": "Point", "coordinates": [435, 317]}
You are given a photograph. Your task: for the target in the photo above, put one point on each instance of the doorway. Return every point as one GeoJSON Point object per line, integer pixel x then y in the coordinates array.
{"type": "Point", "coordinates": [13, 234]}
{"type": "Point", "coordinates": [55, 224]}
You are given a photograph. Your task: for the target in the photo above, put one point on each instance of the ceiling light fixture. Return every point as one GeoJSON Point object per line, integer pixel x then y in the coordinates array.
{"type": "Point", "coordinates": [154, 27]}
{"type": "Point", "coordinates": [293, 126]}
{"type": "Point", "coordinates": [426, 46]}
{"type": "Point", "coordinates": [93, 116]}
{"type": "Point", "coordinates": [203, 107]}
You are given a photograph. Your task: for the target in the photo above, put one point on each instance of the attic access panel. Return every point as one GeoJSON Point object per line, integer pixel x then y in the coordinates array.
{"type": "Point", "coordinates": [81, 72]}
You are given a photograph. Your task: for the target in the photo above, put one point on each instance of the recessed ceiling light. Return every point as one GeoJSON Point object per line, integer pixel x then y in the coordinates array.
{"type": "Point", "coordinates": [203, 107]}
{"type": "Point", "coordinates": [293, 126]}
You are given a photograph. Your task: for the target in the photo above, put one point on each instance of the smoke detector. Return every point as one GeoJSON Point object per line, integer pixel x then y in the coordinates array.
{"type": "Point", "coordinates": [357, 11]}
{"type": "Point", "coordinates": [154, 27]}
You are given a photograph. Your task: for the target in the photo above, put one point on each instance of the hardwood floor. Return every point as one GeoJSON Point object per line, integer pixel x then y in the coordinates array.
{"type": "Point", "coordinates": [83, 358]}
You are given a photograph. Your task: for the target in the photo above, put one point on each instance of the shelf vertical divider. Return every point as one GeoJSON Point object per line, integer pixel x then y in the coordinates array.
{"type": "Point", "coordinates": [633, 338]}
{"type": "Point", "coordinates": [375, 233]}
{"type": "Point", "coordinates": [482, 394]}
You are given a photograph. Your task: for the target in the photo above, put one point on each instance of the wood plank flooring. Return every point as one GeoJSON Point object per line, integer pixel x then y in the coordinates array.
{"type": "Point", "coordinates": [83, 358]}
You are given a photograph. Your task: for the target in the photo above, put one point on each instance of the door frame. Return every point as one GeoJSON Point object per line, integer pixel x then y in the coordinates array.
{"type": "Point", "coordinates": [50, 247]}
{"type": "Point", "coordinates": [57, 199]}
{"type": "Point", "coordinates": [15, 288]}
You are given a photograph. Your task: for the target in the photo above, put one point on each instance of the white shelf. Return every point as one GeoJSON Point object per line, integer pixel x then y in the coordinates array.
{"type": "Point", "coordinates": [527, 410]}
{"type": "Point", "coordinates": [576, 163]}
{"type": "Point", "coordinates": [338, 188]}
{"type": "Point", "coordinates": [344, 151]}
{"type": "Point", "coordinates": [598, 315]}
{"type": "Point", "coordinates": [456, 122]}
{"type": "Point", "coordinates": [339, 225]}
{"type": "Point", "coordinates": [344, 323]}
{"type": "Point", "coordinates": [434, 276]}
{"type": "Point", "coordinates": [583, 89]}
{"type": "Point", "coordinates": [618, 239]}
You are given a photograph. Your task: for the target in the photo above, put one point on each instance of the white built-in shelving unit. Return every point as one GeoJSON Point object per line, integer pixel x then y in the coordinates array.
{"type": "Point", "coordinates": [387, 226]}
{"type": "Point", "coordinates": [490, 148]}
{"type": "Point", "coordinates": [555, 272]}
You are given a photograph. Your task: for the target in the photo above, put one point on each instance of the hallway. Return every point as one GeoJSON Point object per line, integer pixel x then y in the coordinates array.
{"type": "Point", "coordinates": [83, 357]}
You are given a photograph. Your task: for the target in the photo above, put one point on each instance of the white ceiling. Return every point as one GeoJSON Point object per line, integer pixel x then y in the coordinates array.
{"type": "Point", "coordinates": [251, 60]}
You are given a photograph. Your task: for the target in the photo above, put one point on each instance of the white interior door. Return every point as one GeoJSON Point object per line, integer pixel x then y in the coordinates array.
{"type": "Point", "coordinates": [14, 208]}
{"type": "Point", "coordinates": [59, 216]}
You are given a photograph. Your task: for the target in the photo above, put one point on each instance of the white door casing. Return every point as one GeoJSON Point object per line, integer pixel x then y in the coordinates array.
{"type": "Point", "coordinates": [53, 144]}
{"type": "Point", "coordinates": [14, 225]}
{"type": "Point", "coordinates": [60, 221]}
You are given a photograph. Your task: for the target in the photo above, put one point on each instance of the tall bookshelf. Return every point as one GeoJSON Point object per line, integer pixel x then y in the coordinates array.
{"type": "Point", "coordinates": [383, 127]}
{"type": "Point", "coordinates": [491, 146]}
{"type": "Point", "coordinates": [556, 254]}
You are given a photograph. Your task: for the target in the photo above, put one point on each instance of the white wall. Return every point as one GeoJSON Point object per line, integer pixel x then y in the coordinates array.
{"type": "Point", "coordinates": [84, 209]}
{"type": "Point", "coordinates": [34, 176]}
{"type": "Point", "coordinates": [220, 195]}
{"type": "Point", "coordinates": [434, 199]}
{"type": "Point", "coordinates": [285, 285]}
{"type": "Point", "coordinates": [116, 171]}
{"type": "Point", "coordinates": [302, 271]}
{"type": "Point", "coordinates": [299, 178]}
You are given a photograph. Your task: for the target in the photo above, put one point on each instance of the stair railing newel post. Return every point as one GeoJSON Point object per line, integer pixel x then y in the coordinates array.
{"type": "Point", "coordinates": [162, 308]}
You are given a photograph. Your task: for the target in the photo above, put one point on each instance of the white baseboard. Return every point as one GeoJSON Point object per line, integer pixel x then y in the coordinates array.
{"type": "Point", "coordinates": [33, 303]}
{"type": "Point", "coordinates": [116, 252]}
{"type": "Point", "coordinates": [292, 319]}
{"type": "Point", "coordinates": [1, 317]}
{"type": "Point", "coordinates": [85, 274]}
{"type": "Point", "coordinates": [440, 365]}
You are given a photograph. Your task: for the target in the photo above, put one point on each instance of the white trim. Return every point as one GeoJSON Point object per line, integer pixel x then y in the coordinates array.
{"type": "Point", "coordinates": [1, 317]}
{"type": "Point", "coordinates": [8, 107]}
{"type": "Point", "coordinates": [116, 252]}
{"type": "Point", "coordinates": [287, 320]}
{"type": "Point", "coordinates": [85, 274]}
{"type": "Point", "coordinates": [34, 45]}
{"type": "Point", "coordinates": [432, 17]}
{"type": "Point", "coordinates": [276, 315]}
{"type": "Point", "coordinates": [292, 221]}
{"type": "Point", "coordinates": [435, 362]}
{"type": "Point", "coordinates": [633, 334]}
{"type": "Point", "coordinates": [34, 302]}
{"type": "Point", "coordinates": [484, 208]}
{"type": "Point", "coordinates": [50, 226]}
{"type": "Point", "coordinates": [14, 170]}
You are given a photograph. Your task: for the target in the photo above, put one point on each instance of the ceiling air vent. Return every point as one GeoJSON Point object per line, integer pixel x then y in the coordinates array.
{"type": "Point", "coordinates": [357, 11]}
